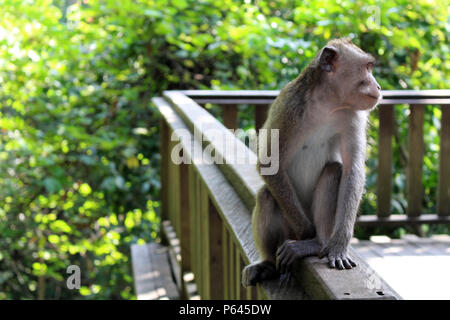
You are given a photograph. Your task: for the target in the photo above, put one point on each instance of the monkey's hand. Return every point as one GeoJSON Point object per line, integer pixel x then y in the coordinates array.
{"type": "Point", "coordinates": [292, 250]}
{"type": "Point", "coordinates": [337, 256]}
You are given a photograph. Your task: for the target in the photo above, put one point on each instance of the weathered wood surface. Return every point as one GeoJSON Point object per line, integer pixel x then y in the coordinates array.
{"type": "Point", "coordinates": [152, 275]}
{"type": "Point", "coordinates": [233, 195]}
{"type": "Point", "coordinates": [240, 161]}
{"type": "Point", "coordinates": [417, 268]}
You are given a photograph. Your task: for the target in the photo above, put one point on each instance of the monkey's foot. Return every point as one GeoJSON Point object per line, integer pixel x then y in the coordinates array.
{"type": "Point", "coordinates": [292, 250]}
{"type": "Point", "coordinates": [257, 272]}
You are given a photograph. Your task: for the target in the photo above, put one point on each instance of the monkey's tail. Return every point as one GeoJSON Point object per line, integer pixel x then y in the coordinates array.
{"type": "Point", "coordinates": [265, 235]}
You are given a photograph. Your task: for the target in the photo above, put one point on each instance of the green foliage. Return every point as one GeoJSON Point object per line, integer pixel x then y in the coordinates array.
{"type": "Point", "coordinates": [79, 139]}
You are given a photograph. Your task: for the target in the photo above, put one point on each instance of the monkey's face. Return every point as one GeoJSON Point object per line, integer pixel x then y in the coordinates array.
{"type": "Point", "coordinates": [348, 72]}
{"type": "Point", "coordinates": [359, 88]}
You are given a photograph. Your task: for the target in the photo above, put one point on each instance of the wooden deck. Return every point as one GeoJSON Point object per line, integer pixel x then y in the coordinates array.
{"type": "Point", "coordinates": [416, 268]}
{"type": "Point", "coordinates": [152, 273]}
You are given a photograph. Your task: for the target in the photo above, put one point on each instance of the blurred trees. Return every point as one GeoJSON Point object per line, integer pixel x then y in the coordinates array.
{"type": "Point", "coordinates": [79, 139]}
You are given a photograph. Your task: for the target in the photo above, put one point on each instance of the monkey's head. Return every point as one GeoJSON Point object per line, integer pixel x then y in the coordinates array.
{"type": "Point", "coordinates": [347, 71]}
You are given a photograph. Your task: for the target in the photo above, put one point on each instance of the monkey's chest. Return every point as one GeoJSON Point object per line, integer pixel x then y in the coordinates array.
{"type": "Point", "coordinates": [309, 160]}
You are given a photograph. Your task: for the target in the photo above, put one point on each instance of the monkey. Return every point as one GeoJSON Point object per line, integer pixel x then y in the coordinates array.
{"type": "Point", "coordinates": [309, 206]}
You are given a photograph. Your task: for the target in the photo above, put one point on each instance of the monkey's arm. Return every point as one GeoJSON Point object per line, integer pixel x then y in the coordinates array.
{"type": "Point", "coordinates": [350, 192]}
{"type": "Point", "coordinates": [282, 190]}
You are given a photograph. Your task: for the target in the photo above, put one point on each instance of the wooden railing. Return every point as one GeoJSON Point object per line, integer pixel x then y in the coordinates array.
{"type": "Point", "coordinates": [206, 207]}
{"type": "Point", "coordinates": [417, 100]}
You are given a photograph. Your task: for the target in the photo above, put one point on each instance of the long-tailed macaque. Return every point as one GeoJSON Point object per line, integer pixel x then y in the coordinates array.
{"type": "Point", "coordinates": [309, 206]}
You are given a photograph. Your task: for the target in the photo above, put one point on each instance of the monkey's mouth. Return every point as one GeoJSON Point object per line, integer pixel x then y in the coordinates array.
{"type": "Point", "coordinates": [373, 97]}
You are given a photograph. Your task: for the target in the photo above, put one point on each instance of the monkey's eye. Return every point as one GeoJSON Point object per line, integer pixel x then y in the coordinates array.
{"type": "Point", "coordinates": [370, 66]}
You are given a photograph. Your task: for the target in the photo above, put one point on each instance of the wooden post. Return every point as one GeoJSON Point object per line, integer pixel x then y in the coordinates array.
{"type": "Point", "coordinates": [225, 259]}
{"type": "Point", "coordinates": [444, 164]}
{"type": "Point", "coordinates": [192, 218]}
{"type": "Point", "coordinates": [184, 219]}
{"type": "Point", "coordinates": [237, 280]}
{"type": "Point", "coordinates": [414, 171]}
{"type": "Point", "coordinates": [260, 115]}
{"type": "Point", "coordinates": [230, 116]}
{"type": "Point", "coordinates": [206, 245]}
{"type": "Point", "coordinates": [164, 144]}
{"type": "Point", "coordinates": [243, 290]}
{"type": "Point", "coordinates": [231, 268]}
{"type": "Point", "coordinates": [198, 230]}
{"type": "Point", "coordinates": [216, 270]}
{"type": "Point", "coordinates": [384, 183]}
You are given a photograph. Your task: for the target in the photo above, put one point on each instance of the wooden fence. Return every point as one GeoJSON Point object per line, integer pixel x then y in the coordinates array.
{"type": "Point", "coordinates": [206, 207]}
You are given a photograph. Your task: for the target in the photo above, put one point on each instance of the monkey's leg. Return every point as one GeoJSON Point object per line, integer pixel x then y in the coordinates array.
{"type": "Point", "coordinates": [269, 231]}
{"type": "Point", "coordinates": [324, 209]}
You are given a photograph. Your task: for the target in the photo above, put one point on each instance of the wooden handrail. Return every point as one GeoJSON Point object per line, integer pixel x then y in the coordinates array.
{"type": "Point", "coordinates": [221, 198]}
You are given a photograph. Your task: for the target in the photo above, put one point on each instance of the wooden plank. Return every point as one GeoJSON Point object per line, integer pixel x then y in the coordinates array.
{"type": "Point", "coordinates": [384, 183]}
{"type": "Point", "coordinates": [244, 292]}
{"type": "Point", "coordinates": [164, 143]}
{"type": "Point", "coordinates": [167, 289]}
{"type": "Point", "coordinates": [205, 253]}
{"type": "Point", "coordinates": [173, 190]}
{"type": "Point", "coordinates": [143, 275]}
{"type": "Point", "coordinates": [444, 164]}
{"type": "Point", "coordinates": [414, 187]}
{"type": "Point", "coordinates": [184, 218]}
{"type": "Point", "coordinates": [237, 274]}
{"type": "Point", "coordinates": [216, 272]}
{"type": "Point", "coordinates": [151, 272]}
{"type": "Point", "coordinates": [174, 252]}
{"type": "Point", "coordinates": [232, 269]}
{"type": "Point", "coordinates": [200, 224]}
{"type": "Point", "coordinates": [401, 220]}
{"type": "Point", "coordinates": [230, 116]}
{"type": "Point", "coordinates": [192, 217]}
{"type": "Point", "coordinates": [260, 116]}
{"type": "Point", "coordinates": [225, 259]}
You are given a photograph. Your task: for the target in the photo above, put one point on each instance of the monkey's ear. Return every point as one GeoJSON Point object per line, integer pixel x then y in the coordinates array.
{"type": "Point", "coordinates": [328, 58]}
